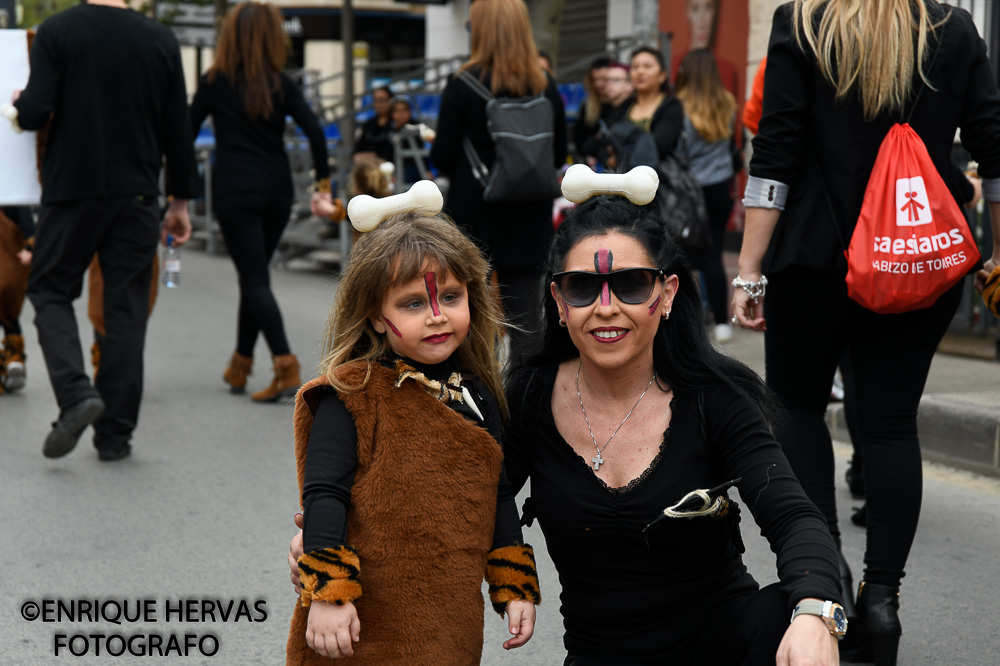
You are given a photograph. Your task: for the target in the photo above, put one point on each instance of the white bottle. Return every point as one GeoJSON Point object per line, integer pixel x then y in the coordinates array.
{"type": "Point", "coordinates": [171, 265]}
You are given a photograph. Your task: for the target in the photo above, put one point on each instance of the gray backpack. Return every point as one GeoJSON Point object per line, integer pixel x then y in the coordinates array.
{"type": "Point", "coordinates": [522, 132]}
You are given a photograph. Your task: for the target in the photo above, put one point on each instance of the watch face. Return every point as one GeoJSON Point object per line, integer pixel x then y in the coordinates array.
{"type": "Point", "coordinates": [839, 619]}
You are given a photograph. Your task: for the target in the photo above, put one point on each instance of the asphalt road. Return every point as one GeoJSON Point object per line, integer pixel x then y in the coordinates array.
{"type": "Point", "coordinates": [203, 510]}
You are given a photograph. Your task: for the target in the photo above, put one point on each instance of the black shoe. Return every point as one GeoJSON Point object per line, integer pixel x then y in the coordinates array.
{"type": "Point", "coordinates": [873, 636]}
{"type": "Point", "coordinates": [71, 424]}
{"type": "Point", "coordinates": [112, 453]}
{"type": "Point", "coordinates": [860, 515]}
{"type": "Point", "coordinates": [855, 477]}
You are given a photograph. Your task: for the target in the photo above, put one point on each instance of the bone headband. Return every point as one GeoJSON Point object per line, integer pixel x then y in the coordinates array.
{"type": "Point", "coordinates": [638, 185]}
{"type": "Point", "coordinates": [9, 111]}
{"type": "Point", "coordinates": [367, 212]}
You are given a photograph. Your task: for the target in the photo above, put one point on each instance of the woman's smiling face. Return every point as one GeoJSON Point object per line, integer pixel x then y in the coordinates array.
{"type": "Point", "coordinates": [607, 331]}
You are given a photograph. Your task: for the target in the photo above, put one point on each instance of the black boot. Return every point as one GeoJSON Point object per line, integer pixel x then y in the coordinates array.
{"type": "Point", "coordinates": [846, 584]}
{"type": "Point", "coordinates": [873, 636]}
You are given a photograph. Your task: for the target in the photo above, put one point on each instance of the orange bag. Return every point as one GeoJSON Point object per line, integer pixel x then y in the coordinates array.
{"type": "Point", "coordinates": [912, 242]}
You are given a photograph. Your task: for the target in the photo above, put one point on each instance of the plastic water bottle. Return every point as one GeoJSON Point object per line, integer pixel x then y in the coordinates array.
{"type": "Point", "coordinates": [171, 265]}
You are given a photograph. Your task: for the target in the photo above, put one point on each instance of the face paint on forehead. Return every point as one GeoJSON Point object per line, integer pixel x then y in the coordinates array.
{"type": "Point", "coordinates": [392, 327]}
{"type": "Point", "coordinates": [652, 308]}
{"type": "Point", "coordinates": [430, 281]}
{"type": "Point", "coordinates": [603, 261]}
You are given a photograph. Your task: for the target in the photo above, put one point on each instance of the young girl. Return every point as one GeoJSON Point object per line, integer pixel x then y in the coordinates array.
{"type": "Point", "coordinates": [405, 501]}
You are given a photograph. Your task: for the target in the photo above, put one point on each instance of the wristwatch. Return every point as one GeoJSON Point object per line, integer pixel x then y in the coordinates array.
{"type": "Point", "coordinates": [831, 613]}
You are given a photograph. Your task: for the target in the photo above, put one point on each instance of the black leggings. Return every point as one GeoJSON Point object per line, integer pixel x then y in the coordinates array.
{"type": "Point", "coordinates": [252, 224]}
{"type": "Point", "coordinates": [719, 203]}
{"type": "Point", "coordinates": [741, 632]}
{"type": "Point", "coordinates": [810, 323]}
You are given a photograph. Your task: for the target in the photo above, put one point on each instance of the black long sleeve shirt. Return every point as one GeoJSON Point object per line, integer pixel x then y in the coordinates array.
{"type": "Point", "coordinates": [250, 153]}
{"type": "Point", "coordinates": [112, 83]}
{"type": "Point", "coordinates": [666, 582]}
{"type": "Point", "coordinates": [331, 461]}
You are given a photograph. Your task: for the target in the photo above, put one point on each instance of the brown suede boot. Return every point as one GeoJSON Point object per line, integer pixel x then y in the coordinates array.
{"type": "Point", "coordinates": [286, 379]}
{"type": "Point", "coordinates": [13, 362]}
{"type": "Point", "coordinates": [236, 374]}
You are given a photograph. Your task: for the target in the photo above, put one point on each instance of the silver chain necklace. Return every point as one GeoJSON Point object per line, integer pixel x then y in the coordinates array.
{"type": "Point", "coordinates": [598, 460]}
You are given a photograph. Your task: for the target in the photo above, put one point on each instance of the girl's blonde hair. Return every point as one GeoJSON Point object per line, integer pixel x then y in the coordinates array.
{"type": "Point", "coordinates": [367, 178]}
{"type": "Point", "coordinates": [504, 47]}
{"type": "Point", "coordinates": [395, 253]}
{"type": "Point", "coordinates": [868, 44]}
{"type": "Point", "coordinates": [251, 53]}
{"type": "Point", "coordinates": [706, 101]}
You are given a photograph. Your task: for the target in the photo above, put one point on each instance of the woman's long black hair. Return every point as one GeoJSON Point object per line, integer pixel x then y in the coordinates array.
{"type": "Point", "coordinates": [683, 356]}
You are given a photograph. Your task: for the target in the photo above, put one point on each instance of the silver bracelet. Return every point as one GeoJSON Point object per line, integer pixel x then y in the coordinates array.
{"type": "Point", "coordinates": [755, 290]}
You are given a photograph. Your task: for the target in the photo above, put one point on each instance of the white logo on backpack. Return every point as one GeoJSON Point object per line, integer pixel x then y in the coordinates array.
{"type": "Point", "coordinates": [912, 206]}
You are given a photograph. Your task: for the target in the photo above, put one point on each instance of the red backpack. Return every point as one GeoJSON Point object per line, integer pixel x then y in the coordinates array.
{"type": "Point", "coordinates": [912, 242]}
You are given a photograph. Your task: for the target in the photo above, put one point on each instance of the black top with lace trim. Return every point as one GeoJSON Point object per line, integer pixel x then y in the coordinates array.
{"type": "Point", "coordinates": [666, 584]}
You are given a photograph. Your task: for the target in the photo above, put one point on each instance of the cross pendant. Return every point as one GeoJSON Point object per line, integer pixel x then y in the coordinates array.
{"type": "Point", "coordinates": [597, 460]}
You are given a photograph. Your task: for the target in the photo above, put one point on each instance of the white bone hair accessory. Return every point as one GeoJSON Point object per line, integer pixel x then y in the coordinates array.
{"type": "Point", "coordinates": [367, 212]}
{"type": "Point", "coordinates": [9, 111]}
{"type": "Point", "coordinates": [638, 185]}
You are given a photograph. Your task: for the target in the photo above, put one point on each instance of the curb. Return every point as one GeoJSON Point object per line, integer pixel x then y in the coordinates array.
{"type": "Point", "coordinates": [953, 429]}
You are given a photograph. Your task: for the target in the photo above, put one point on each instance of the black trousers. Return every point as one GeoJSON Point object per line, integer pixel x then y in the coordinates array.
{"type": "Point", "coordinates": [719, 203]}
{"type": "Point", "coordinates": [519, 291]}
{"type": "Point", "coordinates": [742, 632]}
{"type": "Point", "coordinates": [810, 323]}
{"type": "Point", "coordinates": [124, 233]}
{"type": "Point", "coordinates": [252, 224]}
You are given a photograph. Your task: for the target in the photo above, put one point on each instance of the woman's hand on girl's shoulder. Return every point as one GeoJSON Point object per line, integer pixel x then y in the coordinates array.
{"type": "Point", "coordinates": [808, 642]}
{"type": "Point", "coordinates": [332, 630]}
{"type": "Point", "coordinates": [521, 622]}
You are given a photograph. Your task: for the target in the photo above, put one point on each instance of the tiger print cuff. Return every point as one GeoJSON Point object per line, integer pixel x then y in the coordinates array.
{"type": "Point", "coordinates": [512, 576]}
{"type": "Point", "coordinates": [29, 243]}
{"type": "Point", "coordinates": [991, 292]}
{"type": "Point", "coordinates": [322, 185]}
{"type": "Point", "coordinates": [330, 574]}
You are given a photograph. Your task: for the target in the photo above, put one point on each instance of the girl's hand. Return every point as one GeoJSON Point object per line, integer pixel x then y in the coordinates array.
{"type": "Point", "coordinates": [808, 642]}
{"type": "Point", "coordinates": [521, 621]}
{"type": "Point", "coordinates": [982, 275]}
{"type": "Point", "coordinates": [748, 314]}
{"type": "Point", "coordinates": [321, 204]}
{"type": "Point", "coordinates": [332, 630]}
{"type": "Point", "coordinates": [24, 256]}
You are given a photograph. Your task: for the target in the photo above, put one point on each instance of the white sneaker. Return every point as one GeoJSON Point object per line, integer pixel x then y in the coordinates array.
{"type": "Point", "coordinates": [15, 376]}
{"type": "Point", "coordinates": [723, 332]}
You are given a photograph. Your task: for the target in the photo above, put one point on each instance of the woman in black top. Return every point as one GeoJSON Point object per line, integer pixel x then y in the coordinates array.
{"type": "Point", "coordinates": [622, 410]}
{"type": "Point", "coordinates": [515, 235]}
{"type": "Point", "coordinates": [652, 108]}
{"type": "Point", "coordinates": [819, 136]}
{"type": "Point", "coordinates": [248, 98]}
{"type": "Point", "coordinates": [375, 139]}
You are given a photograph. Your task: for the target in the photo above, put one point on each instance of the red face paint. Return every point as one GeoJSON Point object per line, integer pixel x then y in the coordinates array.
{"type": "Point", "coordinates": [392, 327]}
{"type": "Point", "coordinates": [652, 308]}
{"type": "Point", "coordinates": [430, 281]}
{"type": "Point", "coordinates": [603, 261]}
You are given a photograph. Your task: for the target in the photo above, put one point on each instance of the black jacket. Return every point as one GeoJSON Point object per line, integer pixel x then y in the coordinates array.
{"type": "Point", "coordinates": [665, 125]}
{"type": "Point", "coordinates": [810, 140]}
{"type": "Point", "coordinates": [515, 235]}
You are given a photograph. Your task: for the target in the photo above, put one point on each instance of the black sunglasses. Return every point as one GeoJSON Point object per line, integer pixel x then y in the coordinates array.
{"type": "Point", "coordinates": [631, 285]}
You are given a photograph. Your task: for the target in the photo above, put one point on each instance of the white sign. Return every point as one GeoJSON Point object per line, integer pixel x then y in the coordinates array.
{"type": "Point", "coordinates": [194, 35]}
{"type": "Point", "coordinates": [912, 207]}
{"type": "Point", "coordinates": [186, 13]}
{"type": "Point", "coordinates": [19, 184]}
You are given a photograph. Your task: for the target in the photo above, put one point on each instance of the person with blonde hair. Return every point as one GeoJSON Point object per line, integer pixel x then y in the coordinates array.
{"type": "Point", "coordinates": [406, 505]}
{"type": "Point", "coordinates": [514, 234]}
{"type": "Point", "coordinates": [249, 97]}
{"type": "Point", "coordinates": [830, 98]}
{"type": "Point", "coordinates": [709, 115]}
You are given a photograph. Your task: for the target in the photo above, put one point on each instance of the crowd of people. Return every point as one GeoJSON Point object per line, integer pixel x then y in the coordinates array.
{"type": "Point", "coordinates": [632, 427]}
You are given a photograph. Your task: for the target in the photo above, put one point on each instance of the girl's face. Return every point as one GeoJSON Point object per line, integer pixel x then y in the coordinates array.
{"type": "Point", "coordinates": [608, 332]}
{"type": "Point", "coordinates": [426, 319]}
{"type": "Point", "coordinates": [700, 16]}
{"type": "Point", "coordinates": [646, 74]}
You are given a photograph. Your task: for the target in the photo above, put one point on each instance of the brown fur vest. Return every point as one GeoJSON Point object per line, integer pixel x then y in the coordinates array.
{"type": "Point", "coordinates": [13, 275]}
{"type": "Point", "coordinates": [421, 517]}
